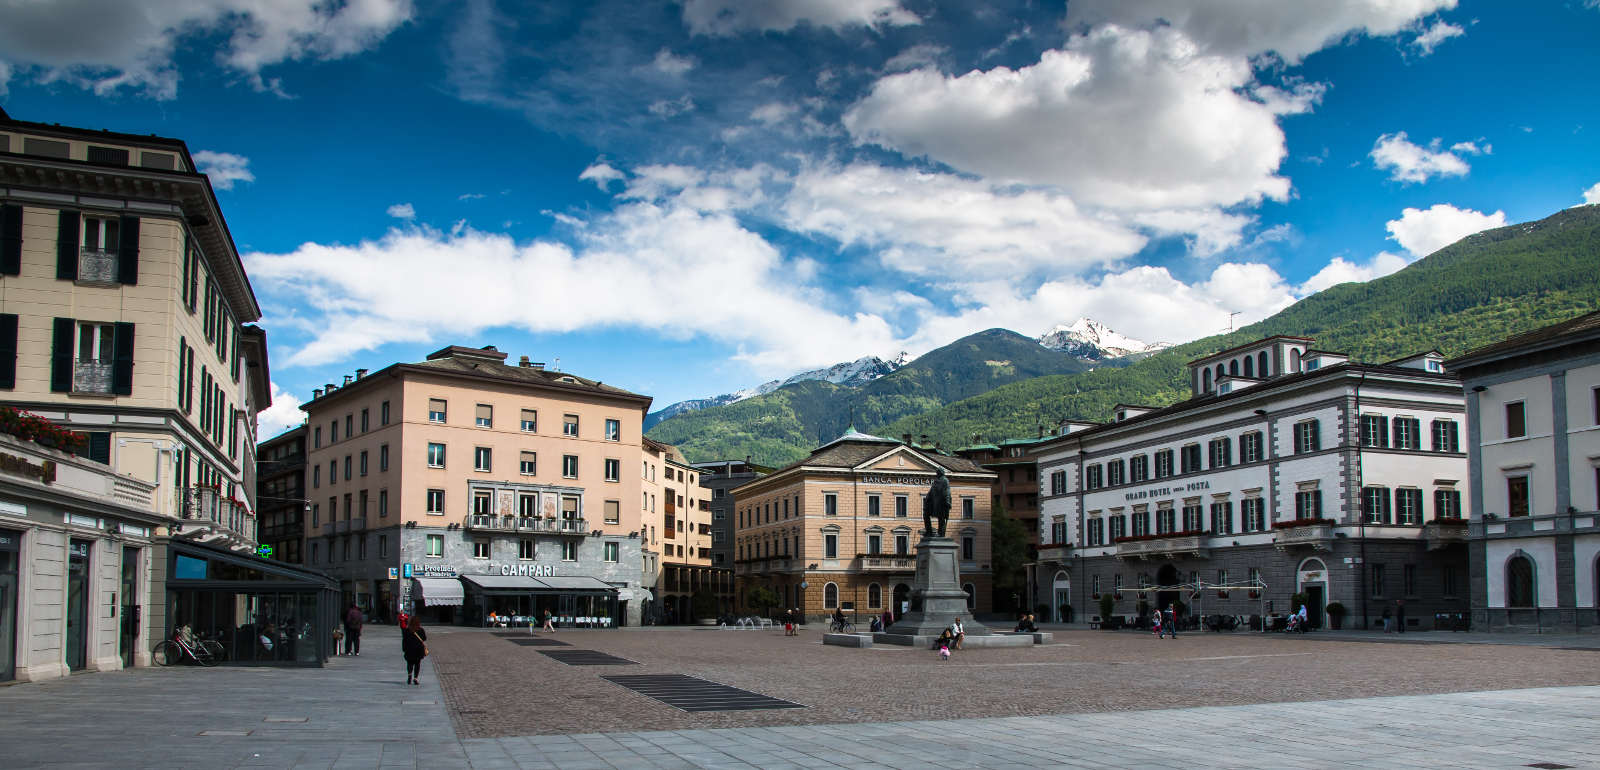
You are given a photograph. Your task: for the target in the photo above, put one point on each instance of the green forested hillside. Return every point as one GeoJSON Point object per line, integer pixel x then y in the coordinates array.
{"type": "Point", "coordinates": [782, 426]}
{"type": "Point", "coordinates": [1476, 291]}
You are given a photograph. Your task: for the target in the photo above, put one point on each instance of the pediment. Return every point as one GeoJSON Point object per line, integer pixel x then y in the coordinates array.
{"type": "Point", "coordinates": [901, 459]}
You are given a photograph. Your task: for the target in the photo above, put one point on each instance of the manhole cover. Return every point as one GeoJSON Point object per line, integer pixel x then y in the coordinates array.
{"type": "Point", "coordinates": [286, 719]}
{"type": "Point", "coordinates": [587, 658]}
{"type": "Point", "coordinates": [688, 693]}
{"type": "Point", "coordinates": [539, 642]}
{"type": "Point", "coordinates": [1549, 766]}
{"type": "Point", "coordinates": [224, 732]}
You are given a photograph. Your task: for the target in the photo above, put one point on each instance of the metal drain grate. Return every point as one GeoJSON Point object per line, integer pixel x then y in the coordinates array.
{"type": "Point", "coordinates": [536, 642]}
{"type": "Point", "coordinates": [688, 693]}
{"type": "Point", "coordinates": [1549, 766]}
{"type": "Point", "coordinates": [523, 633]}
{"type": "Point", "coordinates": [587, 658]}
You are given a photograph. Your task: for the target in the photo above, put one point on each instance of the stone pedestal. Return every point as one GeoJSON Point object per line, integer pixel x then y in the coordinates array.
{"type": "Point", "coordinates": [937, 589]}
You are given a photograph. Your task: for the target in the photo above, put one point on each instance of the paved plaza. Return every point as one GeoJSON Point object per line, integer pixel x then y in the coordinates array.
{"type": "Point", "coordinates": [1097, 699]}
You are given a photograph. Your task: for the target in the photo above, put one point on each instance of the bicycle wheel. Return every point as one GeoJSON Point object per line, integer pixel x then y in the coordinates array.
{"type": "Point", "coordinates": [216, 649]}
{"type": "Point", "coordinates": [202, 655]}
{"type": "Point", "coordinates": [166, 653]}
{"type": "Point", "coordinates": [849, 628]}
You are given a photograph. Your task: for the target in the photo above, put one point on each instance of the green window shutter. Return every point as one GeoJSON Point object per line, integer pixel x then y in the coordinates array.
{"type": "Point", "coordinates": [8, 350]}
{"type": "Point", "coordinates": [67, 245]}
{"type": "Point", "coordinates": [61, 355]}
{"type": "Point", "coordinates": [122, 360]}
{"type": "Point", "coordinates": [11, 240]}
{"type": "Point", "coordinates": [128, 252]}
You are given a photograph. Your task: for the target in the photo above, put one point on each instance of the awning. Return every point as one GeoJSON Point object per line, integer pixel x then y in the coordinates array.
{"type": "Point", "coordinates": [439, 592]}
{"type": "Point", "coordinates": [577, 583]}
{"type": "Point", "coordinates": [503, 584]}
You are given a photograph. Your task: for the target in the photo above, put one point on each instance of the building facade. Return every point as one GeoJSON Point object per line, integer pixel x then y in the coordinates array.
{"type": "Point", "coordinates": [1016, 491]}
{"type": "Point", "coordinates": [838, 530]}
{"type": "Point", "coordinates": [1533, 406]}
{"type": "Point", "coordinates": [281, 495]}
{"type": "Point", "coordinates": [719, 479]}
{"type": "Point", "coordinates": [1288, 468]}
{"type": "Point", "coordinates": [462, 485]}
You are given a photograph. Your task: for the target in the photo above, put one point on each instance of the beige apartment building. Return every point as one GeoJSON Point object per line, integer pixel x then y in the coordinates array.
{"type": "Point", "coordinates": [461, 485]}
{"type": "Point", "coordinates": [122, 304]}
{"type": "Point", "coordinates": [839, 529]}
{"type": "Point", "coordinates": [678, 521]}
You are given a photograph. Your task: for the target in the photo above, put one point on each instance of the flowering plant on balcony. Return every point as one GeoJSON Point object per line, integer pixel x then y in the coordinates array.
{"type": "Point", "coordinates": [1255, 594]}
{"type": "Point", "coordinates": [1162, 536]}
{"type": "Point", "coordinates": [1449, 520]}
{"type": "Point", "coordinates": [32, 427]}
{"type": "Point", "coordinates": [1222, 594]}
{"type": "Point", "coordinates": [1292, 523]}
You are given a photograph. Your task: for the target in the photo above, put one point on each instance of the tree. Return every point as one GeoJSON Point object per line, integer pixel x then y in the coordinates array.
{"type": "Point", "coordinates": [761, 598]}
{"type": "Point", "coordinates": [1008, 548]}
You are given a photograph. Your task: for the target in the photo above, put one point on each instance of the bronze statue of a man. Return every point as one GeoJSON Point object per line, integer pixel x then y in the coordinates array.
{"type": "Point", "coordinates": [936, 505]}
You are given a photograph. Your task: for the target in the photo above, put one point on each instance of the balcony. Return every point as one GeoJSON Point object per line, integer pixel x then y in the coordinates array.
{"type": "Point", "coordinates": [91, 377]}
{"type": "Point", "coordinates": [342, 526]}
{"type": "Point", "coordinates": [1443, 533]}
{"type": "Point", "coordinates": [881, 562]}
{"type": "Point", "coordinates": [1318, 536]}
{"type": "Point", "coordinates": [207, 510]}
{"type": "Point", "coordinates": [493, 523]}
{"type": "Point", "coordinates": [327, 529]}
{"type": "Point", "coordinates": [358, 524]}
{"type": "Point", "coordinates": [97, 266]}
{"type": "Point", "coordinates": [1162, 547]}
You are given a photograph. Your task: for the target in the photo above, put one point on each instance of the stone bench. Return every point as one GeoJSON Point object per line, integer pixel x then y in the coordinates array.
{"type": "Point", "coordinates": [1038, 637]}
{"type": "Point", "coordinates": [848, 640]}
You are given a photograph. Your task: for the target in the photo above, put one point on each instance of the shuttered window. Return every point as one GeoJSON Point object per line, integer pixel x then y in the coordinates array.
{"type": "Point", "coordinates": [8, 350]}
{"type": "Point", "coordinates": [10, 240]}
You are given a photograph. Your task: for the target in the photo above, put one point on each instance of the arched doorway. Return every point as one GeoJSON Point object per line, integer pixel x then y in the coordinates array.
{"type": "Point", "coordinates": [1166, 577]}
{"type": "Point", "coordinates": [1061, 589]}
{"type": "Point", "coordinates": [1519, 581]}
{"type": "Point", "coordinates": [902, 600]}
{"type": "Point", "coordinates": [1312, 580]}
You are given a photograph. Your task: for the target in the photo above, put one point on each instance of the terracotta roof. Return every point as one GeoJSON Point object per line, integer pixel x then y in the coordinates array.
{"type": "Point", "coordinates": [525, 374]}
{"type": "Point", "coordinates": [849, 454]}
{"type": "Point", "coordinates": [1580, 328]}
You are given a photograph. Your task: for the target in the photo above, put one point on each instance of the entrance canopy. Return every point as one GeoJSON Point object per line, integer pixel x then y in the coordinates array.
{"type": "Point", "coordinates": [439, 592]}
{"type": "Point", "coordinates": [577, 583]}
{"type": "Point", "coordinates": [502, 584]}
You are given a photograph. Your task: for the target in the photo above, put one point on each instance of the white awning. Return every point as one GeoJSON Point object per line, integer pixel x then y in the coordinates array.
{"type": "Point", "coordinates": [439, 592]}
{"type": "Point", "coordinates": [577, 583]}
{"type": "Point", "coordinates": [511, 583]}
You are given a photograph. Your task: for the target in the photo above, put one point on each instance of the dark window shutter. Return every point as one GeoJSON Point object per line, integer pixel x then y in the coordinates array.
{"type": "Point", "coordinates": [122, 360]}
{"type": "Point", "coordinates": [1316, 435]}
{"type": "Point", "coordinates": [67, 246]}
{"type": "Point", "coordinates": [11, 240]}
{"type": "Point", "coordinates": [61, 356]}
{"type": "Point", "coordinates": [128, 252]}
{"type": "Point", "coordinates": [8, 350]}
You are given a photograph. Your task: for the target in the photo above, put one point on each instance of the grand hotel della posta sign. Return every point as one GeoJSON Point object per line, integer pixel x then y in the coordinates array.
{"type": "Point", "coordinates": [1145, 494]}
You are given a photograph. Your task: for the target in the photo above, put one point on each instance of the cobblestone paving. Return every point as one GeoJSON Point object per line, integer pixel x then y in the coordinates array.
{"type": "Point", "coordinates": [496, 688]}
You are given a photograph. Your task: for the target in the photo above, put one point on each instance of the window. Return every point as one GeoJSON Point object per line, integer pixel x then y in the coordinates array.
{"type": "Point", "coordinates": [1250, 447]}
{"type": "Point", "coordinates": [383, 413]}
{"type": "Point", "coordinates": [1222, 518]}
{"type": "Point", "coordinates": [347, 467]}
{"type": "Point", "coordinates": [530, 421]}
{"type": "Point", "coordinates": [1407, 433]}
{"type": "Point", "coordinates": [383, 546]}
{"type": "Point", "coordinates": [613, 511]}
{"type": "Point", "coordinates": [1189, 458]}
{"type": "Point", "coordinates": [1377, 580]}
{"type": "Point", "coordinates": [480, 549]}
{"type": "Point", "coordinates": [874, 505]}
{"type": "Point", "coordinates": [569, 551]}
{"type": "Point", "coordinates": [1115, 473]}
{"type": "Point", "coordinates": [968, 506]}
{"type": "Point", "coordinates": [1221, 452]}
{"type": "Point", "coordinates": [363, 462]}
{"type": "Point", "coordinates": [1375, 504]}
{"type": "Point", "coordinates": [830, 504]}
{"type": "Point", "coordinates": [1163, 463]}
{"type": "Point", "coordinates": [969, 548]}
{"type": "Point", "coordinates": [1058, 482]}
{"type": "Point", "coordinates": [1308, 504]}
{"type": "Point", "coordinates": [482, 503]}
{"type": "Point", "coordinates": [901, 506]}
{"type": "Point", "coordinates": [436, 455]}
{"type": "Point", "coordinates": [383, 457]}
{"type": "Point", "coordinates": [613, 469]}
{"type": "Point", "coordinates": [436, 545]}
{"type": "Point", "coordinates": [1193, 518]}
{"type": "Point", "coordinates": [874, 596]}
{"type": "Point", "coordinates": [483, 416]}
{"type": "Point", "coordinates": [1119, 527]}
{"type": "Point", "coordinates": [1374, 430]}
{"type": "Point", "coordinates": [830, 546]}
{"type": "Point", "coordinates": [830, 596]}
{"type": "Point", "coordinates": [613, 430]}
{"type": "Point", "coordinates": [1097, 533]}
{"type": "Point", "coordinates": [316, 441]}
{"type": "Point", "coordinates": [316, 515]}
{"type": "Point", "coordinates": [526, 549]}
{"type": "Point", "coordinates": [316, 476]}
{"type": "Point", "coordinates": [383, 503]}
{"type": "Point", "coordinates": [1141, 523]}
{"type": "Point", "coordinates": [1447, 579]}
{"type": "Point", "coordinates": [1517, 502]}
{"type": "Point", "coordinates": [874, 544]}
{"type": "Point", "coordinates": [569, 425]}
{"type": "Point", "coordinates": [1446, 504]}
{"type": "Point", "coordinates": [1139, 468]}
{"type": "Point", "coordinates": [1516, 420]}
{"type": "Point", "coordinates": [569, 466]}
{"type": "Point", "coordinates": [1408, 506]}
{"type": "Point", "coordinates": [1254, 512]}
{"type": "Point", "coordinates": [436, 408]}
{"type": "Point", "coordinates": [1519, 582]}
{"type": "Point", "coordinates": [1058, 530]}
{"type": "Point", "coordinates": [436, 501]}
{"type": "Point", "coordinates": [1307, 436]}
{"type": "Point", "coordinates": [349, 425]}
{"type": "Point", "coordinates": [1166, 521]}
{"type": "Point", "coordinates": [1446, 436]}
{"type": "Point", "coordinates": [529, 465]}
{"type": "Point", "coordinates": [1093, 477]}
{"type": "Point", "coordinates": [612, 552]}
{"type": "Point", "coordinates": [1408, 579]}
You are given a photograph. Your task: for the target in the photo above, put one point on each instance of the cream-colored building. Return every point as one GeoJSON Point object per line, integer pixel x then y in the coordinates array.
{"type": "Point", "coordinates": [839, 529]}
{"type": "Point", "coordinates": [470, 485]}
{"type": "Point", "coordinates": [678, 522]}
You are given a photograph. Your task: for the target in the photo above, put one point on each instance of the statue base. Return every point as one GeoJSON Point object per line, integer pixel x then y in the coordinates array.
{"type": "Point", "coordinates": [937, 589]}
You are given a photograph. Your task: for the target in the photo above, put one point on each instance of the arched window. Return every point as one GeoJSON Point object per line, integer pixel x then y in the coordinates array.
{"type": "Point", "coordinates": [1249, 366]}
{"type": "Point", "coordinates": [972, 596]}
{"type": "Point", "coordinates": [830, 596]}
{"type": "Point", "coordinates": [1222, 371]}
{"type": "Point", "coordinates": [1294, 359]}
{"type": "Point", "coordinates": [1205, 381]}
{"type": "Point", "coordinates": [874, 596]}
{"type": "Point", "coordinates": [1519, 582]}
{"type": "Point", "coordinates": [1261, 365]}
{"type": "Point", "coordinates": [1233, 367]}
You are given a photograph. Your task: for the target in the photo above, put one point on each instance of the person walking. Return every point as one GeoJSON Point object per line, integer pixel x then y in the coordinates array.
{"type": "Point", "coordinates": [1172, 620]}
{"type": "Point", "coordinates": [413, 645]}
{"type": "Point", "coordinates": [788, 622]}
{"type": "Point", "coordinates": [1388, 621]}
{"type": "Point", "coordinates": [1400, 614]}
{"type": "Point", "coordinates": [888, 619]}
{"type": "Point", "coordinates": [547, 625]}
{"type": "Point", "coordinates": [1157, 626]}
{"type": "Point", "coordinates": [352, 630]}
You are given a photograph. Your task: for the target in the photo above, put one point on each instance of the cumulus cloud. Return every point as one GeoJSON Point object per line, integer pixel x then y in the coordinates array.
{"type": "Point", "coordinates": [668, 63]}
{"type": "Point", "coordinates": [599, 172]}
{"type": "Point", "coordinates": [1423, 231]}
{"type": "Point", "coordinates": [402, 211]}
{"type": "Point", "coordinates": [224, 168]}
{"type": "Point", "coordinates": [283, 414]}
{"type": "Point", "coordinates": [667, 108]}
{"type": "Point", "coordinates": [1249, 28]}
{"type": "Point", "coordinates": [732, 17]}
{"type": "Point", "coordinates": [1341, 270]}
{"type": "Point", "coordinates": [1410, 163]}
{"type": "Point", "coordinates": [1431, 37]}
{"type": "Point", "coordinates": [1592, 195]}
{"type": "Point", "coordinates": [132, 44]}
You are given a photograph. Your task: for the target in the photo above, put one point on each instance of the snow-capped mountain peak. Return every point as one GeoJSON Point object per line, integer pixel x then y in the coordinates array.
{"type": "Point", "coordinates": [858, 372]}
{"type": "Point", "coordinates": [1091, 340]}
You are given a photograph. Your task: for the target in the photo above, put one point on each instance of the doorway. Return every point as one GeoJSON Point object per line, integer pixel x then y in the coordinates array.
{"type": "Point", "coordinates": [1062, 586]}
{"type": "Point", "coordinates": [902, 600]}
{"type": "Point", "coordinates": [129, 637]}
{"type": "Point", "coordinates": [1315, 595]}
{"type": "Point", "coordinates": [1166, 577]}
{"type": "Point", "coordinates": [77, 643]}
{"type": "Point", "coordinates": [10, 560]}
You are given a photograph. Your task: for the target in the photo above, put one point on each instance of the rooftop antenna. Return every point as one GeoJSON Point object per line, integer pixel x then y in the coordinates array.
{"type": "Point", "coordinates": [557, 367]}
{"type": "Point", "coordinates": [1230, 320]}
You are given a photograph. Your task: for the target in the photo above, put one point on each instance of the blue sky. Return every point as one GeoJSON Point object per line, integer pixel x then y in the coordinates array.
{"type": "Point", "coordinates": [686, 198]}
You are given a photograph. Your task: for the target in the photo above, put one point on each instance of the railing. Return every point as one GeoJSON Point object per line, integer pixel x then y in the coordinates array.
{"type": "Point", "coordinates": [207, 506]}
{"type": "Point", "coordinates": [130, 491]}
{"type": "Point", "coordinates": [1442, 533]}
{"type": "Point", "coordinates": [878, 562]}
{"type": "Point", "coordinates": [358, 524]}
{"type": "Point", "coordinates": [342, 526]}
{"type": "Point", "coordinates": [91, 377]}
{"type": "Point", "coordinates": [1318, 536]}
{"type": "Point", "coordinates": [97, 266]}
{"type": "Point", "coordinates": [483, 521]}
{"type": "Point", "coordinates": [1190, 544]}
{"type": "Point", "coordinates": [327, 528]}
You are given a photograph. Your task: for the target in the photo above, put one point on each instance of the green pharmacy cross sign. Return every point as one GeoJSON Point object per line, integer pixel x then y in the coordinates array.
{"type": "Point", "coordinates": [264, 551]}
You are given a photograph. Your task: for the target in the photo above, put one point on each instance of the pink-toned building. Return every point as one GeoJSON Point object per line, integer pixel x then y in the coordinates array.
{"type": "Point", "coordinates": [462, 485]}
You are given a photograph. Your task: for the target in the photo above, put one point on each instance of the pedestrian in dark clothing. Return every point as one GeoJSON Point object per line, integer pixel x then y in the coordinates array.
{"type": "Point", "coordinates": [352, 630]}
{"type": "Point", "coordinates": [888, 619]}
{"type": "Point", "coordinates": [412, 644]}
{"type": "Point", "coordinates": [1400, 614]}
{"type": "Point", "coordinates": [1172, 620]}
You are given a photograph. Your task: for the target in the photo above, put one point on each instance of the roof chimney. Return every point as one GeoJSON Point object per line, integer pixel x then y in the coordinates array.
{"type": "Point", "coordinates": [316, 393]}
{"type": "Point", "coordinates": [361, 373]}
{"type": "Point", "coordinates": [905, 438]}
{"type": "Point", "coordinates": [923, 438]}
{"type": "Point", "coordinates": [523, 362]}
{"type": "Point", "coordinates": [347, 379]}
{"type": "Point", "coordinates": [327, 387]}
{"type": "Point", "coordinates": [539, 365]}
{"type": "Point", "coordinates": [1041, 431]}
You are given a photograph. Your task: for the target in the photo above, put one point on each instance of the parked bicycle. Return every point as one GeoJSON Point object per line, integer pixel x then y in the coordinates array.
{"type": "Point", "coordinates": [183, 645]}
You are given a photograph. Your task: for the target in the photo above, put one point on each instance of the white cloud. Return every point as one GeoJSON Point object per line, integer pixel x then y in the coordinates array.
{"type": "Point", "coordinates": [773, 113]}
{"type": "Point", "coordinates": [731, 17]}
{"type": "Point", "coordinates": [470, 196]}
{"type": "Point", "coordinates": [283, 414]}
{"type": "Point", "coordinates": [1187, 133]}
{"type": "Point", "coordinates": [1340, 270]}
{"type": "Point", "coordinates": [1408, 162]}
{"type": "Point", "coordinates": [667, 108]}
{"type": "Point", "coordinates": [224, 168]}
{"type": "Point", "coordinates": [599, 172]}
{"type": "Point", "coordinates": [110, 44]}
{"type": "Point", "coordinates": [1431, 37]}
{"type": "Point", "coordinates": [1473, 148]}
{"type": "Point", "coordinates": [668, 63]}
{"type": "Point", "coordinates": [1424, 231]}
{"type": "Point", "coordinates": [402, 211]}
{"type": "Point", "coordinates": [1592, 195]}
{"type": "Point", "coordinates": [1247, 28]}
{"type": "Point", "coordinates": [922, 55]}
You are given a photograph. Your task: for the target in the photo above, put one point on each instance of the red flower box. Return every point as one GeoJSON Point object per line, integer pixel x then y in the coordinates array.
{"type": "Point", "coordinates": [1162, 536]}
{"type": "Point", "coordinates": [31, 427]}
{"type": "Point", "coordinates": [1222, 594]}
{"type": "Point", "coordinates": [1291, 524]}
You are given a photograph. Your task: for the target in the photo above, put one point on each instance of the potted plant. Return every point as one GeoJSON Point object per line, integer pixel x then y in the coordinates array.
{"type": "Point", "coordinates": [1107, 604]}
{"type": "Point", "coordinates": [1336, 613]}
